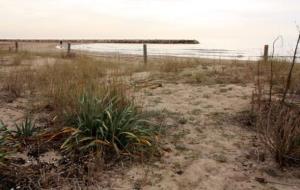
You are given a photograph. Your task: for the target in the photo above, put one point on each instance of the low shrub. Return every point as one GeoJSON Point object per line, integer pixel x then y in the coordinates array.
{"type": "Point", "coordinates": [279, 128]}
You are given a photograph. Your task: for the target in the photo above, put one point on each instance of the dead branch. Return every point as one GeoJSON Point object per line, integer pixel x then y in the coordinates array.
{"type": "Point", "coordinates": [288, 83]}
{"type": "Point", "coordinates": [271, 69]}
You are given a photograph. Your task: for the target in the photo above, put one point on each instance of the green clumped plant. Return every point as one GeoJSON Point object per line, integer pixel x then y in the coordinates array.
{"type": "Point", "coordinates": [25, 129]}
{"type": "Point", "coordinates": [109, 124]}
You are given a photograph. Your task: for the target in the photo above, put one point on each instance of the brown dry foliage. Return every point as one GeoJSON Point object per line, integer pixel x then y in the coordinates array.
{"type": "Point", "coordinates": [279, 129]}
{"type": "Point", "coordinates": [278, 123]}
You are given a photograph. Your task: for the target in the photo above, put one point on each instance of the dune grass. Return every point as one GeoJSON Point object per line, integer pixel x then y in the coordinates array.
{"type": "Point", "coordinates": [89, 96]}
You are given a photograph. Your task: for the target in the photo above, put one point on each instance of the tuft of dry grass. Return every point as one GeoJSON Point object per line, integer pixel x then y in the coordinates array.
{"type": "Point", "coordinates": [15, 82]}
{"type": "Point", "coordinates": [173, 65]}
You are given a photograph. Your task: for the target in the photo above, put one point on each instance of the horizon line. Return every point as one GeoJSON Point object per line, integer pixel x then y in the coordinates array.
{"type": "Point", "coordinates": [132, 41]}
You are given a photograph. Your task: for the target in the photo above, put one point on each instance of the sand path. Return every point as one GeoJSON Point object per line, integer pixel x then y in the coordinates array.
{"type": "Point", "coordinates": [204, 148]}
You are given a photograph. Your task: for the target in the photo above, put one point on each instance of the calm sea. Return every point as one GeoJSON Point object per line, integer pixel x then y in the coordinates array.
{"type": "Point", "coordinates": [182, 50]}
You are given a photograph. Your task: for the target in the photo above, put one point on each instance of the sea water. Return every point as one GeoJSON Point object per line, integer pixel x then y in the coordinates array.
{"type": "Point", "coordinates": [182, 50]}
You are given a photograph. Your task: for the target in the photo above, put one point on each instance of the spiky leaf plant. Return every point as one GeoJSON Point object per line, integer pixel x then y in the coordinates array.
{"type": "Point", "coordinates": [111, 124]}
{"type": "Point", "coordinates": [25, 130]}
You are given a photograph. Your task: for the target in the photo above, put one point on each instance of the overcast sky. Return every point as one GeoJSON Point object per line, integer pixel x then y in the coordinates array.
{"type": "Point", "coordinates": [209, 21]}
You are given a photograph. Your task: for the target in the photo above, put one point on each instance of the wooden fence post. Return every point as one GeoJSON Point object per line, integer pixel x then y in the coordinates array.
{"type": "Point", "coordinates": [145, 54]}
{"type": "Point", "coordinates": [16, 46]}
{"type": "Point", "coordinates": [266, 53]}
{"type": "Point", "coordinates": [69, 48]}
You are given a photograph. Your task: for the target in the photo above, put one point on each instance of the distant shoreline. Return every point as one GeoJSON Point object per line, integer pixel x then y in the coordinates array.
{"type": "Point", "coordinates": [124, 41]}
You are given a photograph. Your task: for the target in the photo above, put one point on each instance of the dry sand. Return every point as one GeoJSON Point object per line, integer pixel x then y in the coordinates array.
{"type": "Point", "coordinates": [205, 149]}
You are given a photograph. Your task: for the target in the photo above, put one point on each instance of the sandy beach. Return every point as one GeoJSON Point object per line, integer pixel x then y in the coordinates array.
{"type": "Point", "coordinates": [150, 95]}
{"type": "Point", "coordinates": [207, 143]}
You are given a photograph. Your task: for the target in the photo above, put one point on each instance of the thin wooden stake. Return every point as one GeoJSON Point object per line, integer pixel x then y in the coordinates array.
{"type": "Point", "coordinates": [266, 53]}
{"type": "Point", "coordinates": [145, 54]}
{"type": "Point", "coordinates": [16, 46]}
{"type": "Point", "coordinates": [69, 48]}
